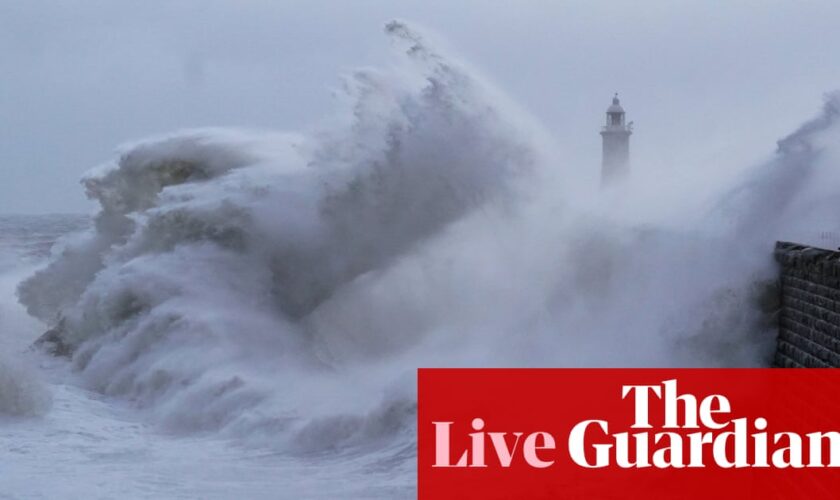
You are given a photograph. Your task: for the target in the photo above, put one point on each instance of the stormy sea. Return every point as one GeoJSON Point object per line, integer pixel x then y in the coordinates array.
{"type": "Point", "coordinates": [244, 313]}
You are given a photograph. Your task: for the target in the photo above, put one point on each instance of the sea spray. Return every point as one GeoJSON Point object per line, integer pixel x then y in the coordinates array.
{"type": "Point", "coordinates": [192, 295]}
{"type": "Point", "coordinates": [282, 288]}
{"type": "Point", "coordinates": [23, 392]}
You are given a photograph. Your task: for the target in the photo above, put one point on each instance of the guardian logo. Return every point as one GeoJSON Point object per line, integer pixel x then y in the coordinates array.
{"type": "Point", "coordinates": [628, 433]}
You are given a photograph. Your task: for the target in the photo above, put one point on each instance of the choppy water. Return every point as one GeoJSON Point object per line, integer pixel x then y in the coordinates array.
{"type": "Point", "coordinates": [28, 239]}
{"type": "Point", "coordinates": [86, 445]}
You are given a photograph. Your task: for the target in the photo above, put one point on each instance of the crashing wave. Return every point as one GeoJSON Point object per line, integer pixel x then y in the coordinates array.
{"type": "Point", "coordinates": [285, 286]}
{"type": "Point", "coordinates": [212, 248]}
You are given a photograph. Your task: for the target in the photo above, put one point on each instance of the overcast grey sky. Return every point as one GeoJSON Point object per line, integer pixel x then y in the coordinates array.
{"type": "Point", "coordinates": [704, 81]}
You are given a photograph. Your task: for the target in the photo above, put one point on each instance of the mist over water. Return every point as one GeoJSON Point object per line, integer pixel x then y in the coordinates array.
{"type": "Point", "coordinates": [281, 289]}
{"type": "Point", "coordinates": [24, 242]}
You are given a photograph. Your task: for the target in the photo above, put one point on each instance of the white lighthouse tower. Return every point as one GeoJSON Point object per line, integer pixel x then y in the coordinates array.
{"type": "Point", "coordinates": [616, 144]}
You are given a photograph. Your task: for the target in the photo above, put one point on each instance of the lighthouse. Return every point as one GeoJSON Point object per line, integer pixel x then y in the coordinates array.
{"type": "Point", "coordinates": [615, 137]}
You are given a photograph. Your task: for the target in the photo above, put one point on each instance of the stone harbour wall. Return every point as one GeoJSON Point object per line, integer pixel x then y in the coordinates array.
{"type": "Point", "coordinates": [809, 319]}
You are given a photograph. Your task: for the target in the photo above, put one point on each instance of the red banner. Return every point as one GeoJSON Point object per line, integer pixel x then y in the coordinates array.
{"type": "Point", "coordinates": [628, 433]}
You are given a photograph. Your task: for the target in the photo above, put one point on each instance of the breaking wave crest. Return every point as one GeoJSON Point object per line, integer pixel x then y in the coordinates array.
{"type": "Point", "coordinates": [282, 288]}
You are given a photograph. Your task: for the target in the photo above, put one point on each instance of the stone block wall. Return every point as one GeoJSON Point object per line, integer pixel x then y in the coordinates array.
{"type": "Point", "coordinates": [809, 320]}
